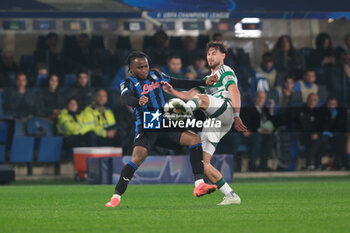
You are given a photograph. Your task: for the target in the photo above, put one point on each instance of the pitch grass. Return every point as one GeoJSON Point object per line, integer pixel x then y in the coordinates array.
{"type": "Point", "coordinates": [268, 205]}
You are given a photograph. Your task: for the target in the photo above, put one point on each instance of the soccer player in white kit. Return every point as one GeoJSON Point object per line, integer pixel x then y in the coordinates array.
{"type": "Point", "coordinates": [222, 102]}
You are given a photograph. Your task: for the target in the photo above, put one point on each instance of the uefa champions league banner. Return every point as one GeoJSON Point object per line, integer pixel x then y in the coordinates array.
{"type": "Point", "coordinates": [154, 170]}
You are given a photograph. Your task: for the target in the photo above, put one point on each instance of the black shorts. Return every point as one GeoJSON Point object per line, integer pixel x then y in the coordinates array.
{"type": "Point", "coordinates": [170, 140]}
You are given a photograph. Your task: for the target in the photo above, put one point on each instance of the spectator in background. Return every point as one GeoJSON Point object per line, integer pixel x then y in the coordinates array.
{"type": "Point", "coordinates": [345, 48]}
{"type": "Point", "coordinates": [42, 75]}
{"type": "Point", "coordinates": [334, 131]}
{"type": "Point", "coordinates": [323, 54]}
{"type": "Point", "coordinates": [84, 54]}
{"type": "Point", "coordinates": [122, 73]}
{"type": "Point", "coordinates": [81, 91]}
{"type": "Point", "coordinates": [103, 120]}
{"type": "Point", "coordinates": [19, 101]}
{"type": "Point", "coordinates": [286, 58]}
{"type": "Point", "coordinates": [217, 37]}
{"type": "Point", "coordinates": [340, 78]}
{"type": "Point", "coordinates": [308, 85]}
{"type": "Point", "coordinates": [50, 54]}
{"type": "Point", "coordinates": [188, 51]}
{"type": "Point", "coordinates": [72, 126]}
{"type": "Point", "coordinates": [267, 69]}
{"type": "Point", "coordinates": [260, 123]}
{"type": "Point", "coordinates": [174, 68]}
{"type": "Point", "coordinates": [8, 69]}
{"type": "Point", "coordinates": [160, 50]}
{"type": "Point", "coordinates": [286, 96]}
{"type": "Point", "coordinates": [307, 123]}
{"type": "Point", "coordinates": [199, 69]}
{"type": "Point", "coordinates": [50, 99]}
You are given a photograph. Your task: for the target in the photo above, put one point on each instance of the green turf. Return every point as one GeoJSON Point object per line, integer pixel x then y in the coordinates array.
{"type": "Point", "coordinates": [268, 205]}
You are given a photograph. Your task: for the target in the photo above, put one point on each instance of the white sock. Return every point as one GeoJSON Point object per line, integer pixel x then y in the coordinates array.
{"type": "Point", "coordinates": [117, 196]}
{"type": "Point", "coordinates": [192, 104]}
{"type": "Point", "coordinates": [226, 189]}
{"type": "Point", "coordinates": [198, 182]}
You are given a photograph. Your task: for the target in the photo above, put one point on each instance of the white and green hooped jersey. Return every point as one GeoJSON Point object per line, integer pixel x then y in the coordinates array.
{"type": "Point", "coordinates": [226, 77]}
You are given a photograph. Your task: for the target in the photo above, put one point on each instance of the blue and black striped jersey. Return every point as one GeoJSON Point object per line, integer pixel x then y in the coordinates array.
{"type": "Point", "coordinates": [151, 88]}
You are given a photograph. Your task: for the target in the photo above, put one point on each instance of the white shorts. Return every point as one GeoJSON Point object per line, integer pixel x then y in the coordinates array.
{"type": "Point", "coordinates": [221, 110]}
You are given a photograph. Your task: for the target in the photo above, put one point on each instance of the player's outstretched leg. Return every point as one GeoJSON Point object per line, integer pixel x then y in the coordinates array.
{"type": "Point", "coordinates": [192, 140]}
{"type": "Point", "coordinates": [138, 156]}
{"type": "Point", "coordinates": [215, 177]}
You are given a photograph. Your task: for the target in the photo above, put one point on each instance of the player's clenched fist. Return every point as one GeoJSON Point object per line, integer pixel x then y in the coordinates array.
{"type": "Point", "coordinates": [212, 80]}
{"type": "Point", "coordinates": [143, 100]}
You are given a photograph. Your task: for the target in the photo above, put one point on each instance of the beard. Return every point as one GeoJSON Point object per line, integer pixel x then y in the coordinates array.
{"type": "Point", "coordinates": [214, 65]}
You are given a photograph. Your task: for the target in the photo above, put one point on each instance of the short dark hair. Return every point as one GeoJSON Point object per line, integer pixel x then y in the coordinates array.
{"type": "Point", "coordinates": [217, 34]}
{"type": "Point", "coordinates": [51, 34]}
{"type": "Point", "coordinates": [72, 98]}
{"type": "Point", "coordinates": [288, 77]}
{"type": "Point", "coordinates": [332, 97]}
{"type": "Point", "coordinates": [307, 70]}
{"type": "Point", "coordinates": [267, 55]}
{"type": "Point", "coordinates": [82, 71]}
{"type": "Point", "coordinates": [217, 45]}
{"type": "Point", "coordinates": [172, 56]}
{"type": "Point", "coordinates": [136, 54]}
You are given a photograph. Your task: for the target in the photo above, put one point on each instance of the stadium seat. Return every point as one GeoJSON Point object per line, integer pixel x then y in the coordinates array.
{"type": "Point", "coordinates": [22, 149]}
{"type": "Point", "coordinates": [322, 75]}
{"type": "Point", "coordinates": [69, 42]}
{"type": "Point", "coordinates": [1, 108]}
{"type": "Point", "coordinates": [202, 41]}
{"type": "Point", "coordinates": [242, 148]}
{"type": "Point", "coordinates": [69, 80]}
{"type": "Point", "coordinates": [40, 80]}
{"type": "Point", "coordinates": [40, 43]}
{"type": "Point", "coordinates": [148, 42]}
{"type": "Point", "coordinates": [19, 129]}
{"type": "Point", "coordinates": [322, 94]}
{"type": "Point", "coordinates": [97, 42]}
{"type": "Point", "coordinates": [27, 64]}
{"type": "Point", "coordinates": [175, 42]}
{"type": "Point", "coordinates": [305, 54]}
{"type": "Point", "coordinates": [50, 149]}
{"type": "Point", "coordinates": [2, 153]}
{"type": "Point", "coordinates": [123, 42]}
{"type": "Point", "coordinates": [39, 126]}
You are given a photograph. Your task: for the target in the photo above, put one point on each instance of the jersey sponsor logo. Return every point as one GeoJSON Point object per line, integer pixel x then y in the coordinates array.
{"type": "Point", "coordinates": [147, 88]}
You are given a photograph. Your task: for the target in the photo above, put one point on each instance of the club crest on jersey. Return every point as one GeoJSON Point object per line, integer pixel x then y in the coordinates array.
{"type": "Point", "coordinates": [147, 88]}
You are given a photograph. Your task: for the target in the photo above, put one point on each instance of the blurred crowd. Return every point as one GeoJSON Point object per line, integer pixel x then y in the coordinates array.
{"type": "Point", "coordinates": [303, 93]}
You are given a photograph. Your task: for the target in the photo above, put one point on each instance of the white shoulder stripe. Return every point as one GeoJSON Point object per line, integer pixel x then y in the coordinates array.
{"type": "Point", "coordinates": [124, 90]}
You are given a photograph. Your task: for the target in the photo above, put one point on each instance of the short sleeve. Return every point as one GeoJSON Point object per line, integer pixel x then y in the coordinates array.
{"type": "Point", "coordinates": [228, 78]}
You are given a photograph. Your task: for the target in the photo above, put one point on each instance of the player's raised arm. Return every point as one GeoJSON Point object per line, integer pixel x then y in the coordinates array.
{"type": "Point", "coordinates": [185, 83]}
{"type": "Point", "coordinates": [184, 95]}
{"type": "Point", "coordinates": [236, 103]}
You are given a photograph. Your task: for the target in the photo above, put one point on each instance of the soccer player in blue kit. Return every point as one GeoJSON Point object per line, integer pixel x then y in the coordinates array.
{"type": "Point", "coordinates": [143, 91]}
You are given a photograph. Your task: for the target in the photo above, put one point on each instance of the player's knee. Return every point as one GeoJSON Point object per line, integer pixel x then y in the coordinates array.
{"type": "Point", "coordinates": [196, 140]}
{"type": "Point", "coordinates": [202, 100]}
{"type": "Point", "coordinates": [198, 98]}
